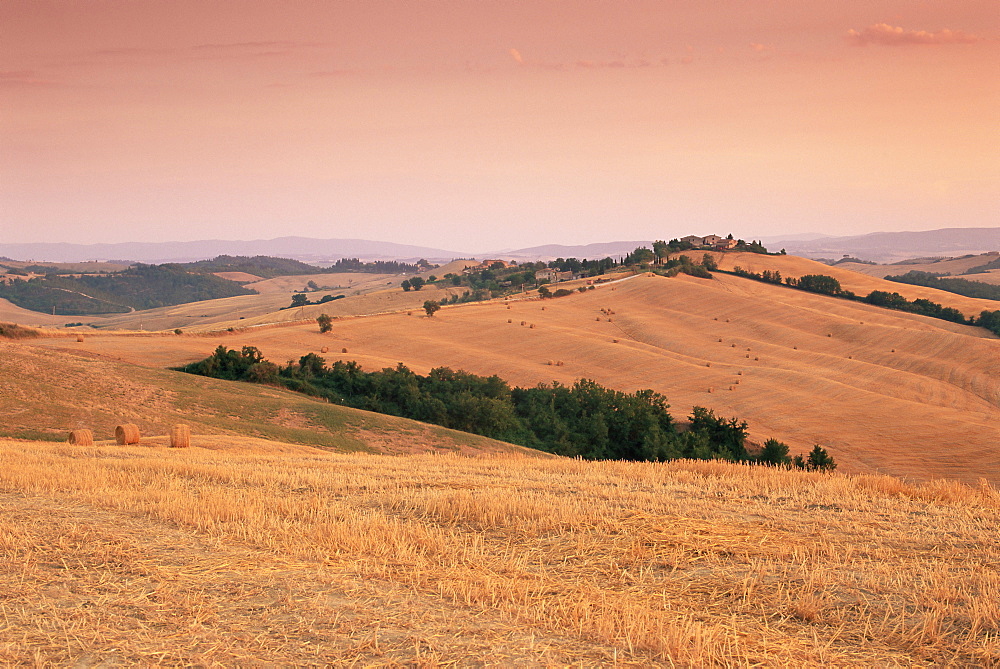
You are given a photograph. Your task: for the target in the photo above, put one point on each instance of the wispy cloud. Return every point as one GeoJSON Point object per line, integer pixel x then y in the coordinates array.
{"type": "Point", "coordinates": [887, 35]}
{"type": "Point", "coordinates": [23, 79]}
{"type": "Point", "coordinates": [516, 55]}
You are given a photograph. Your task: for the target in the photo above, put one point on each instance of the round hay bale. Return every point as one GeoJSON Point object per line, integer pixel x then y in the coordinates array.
{"type": "Point", "coordinates": [550, 363]}
{"type": "Point", "coordinates": [598, 318]}
{"type": "Point", "coordinates": [560, 363]}
{"type": "Point", "coordinates": [828, 334]}
{"type": "Point", "coordinates": [739, 373]}
{"type": "Point", "coordinates": [508, 307]}
{"type": "Point", "coordinates": [180, 436]}
{"type": "Point", "coordinates": [81, 438]}
{"type": "Point", "coordinates": [510, 320]}
{"type": "Point", "coordinates": [409, 313]}
{"type": "Point", "coordinates": [734, 345]}
{"type": "Point", "coordinates": [325, 349]}
{"type": "Point", "coordinates": [127, 433]}
{"type": "Point", "coordinates": [708, 364]}
{"type": "Point", "coordinates": [79, 337]}
{"type": "Point", "coordinates": [732, 387]}
{"type": "Point", "coordinates": [614, 341]}
{"type": "Point", "coordinates": [748, 348]}
{"type": "Point", "coordinates": [893, 351]}
{"type": "Point", "coordinates": [711, 390]}
{"type": "Point", "coordinates": [543, 308]}
{"type": "Point", "coordinates": [748, 355]}
{"type": "Point", "coordinates": [343, 350]}
{"type": "Point", "coordinates": [531, 327]}
{"type": "Point", "coordinates": [754, 358]}
{"type": "Point", "coordinates": [523, 323]}
{"type": "Point", "coordinates": [609, 320]}
{"type": "Point", "coordinates": [720, 340]}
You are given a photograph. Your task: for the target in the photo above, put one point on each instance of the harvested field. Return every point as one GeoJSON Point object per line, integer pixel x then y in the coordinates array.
{"type": "Point", "coordinates": [142, 556]}
{"type": "Point", "coordinates": [887, 392]}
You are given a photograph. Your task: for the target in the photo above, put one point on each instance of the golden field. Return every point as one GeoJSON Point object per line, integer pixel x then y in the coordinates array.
{"type": "Point", "coordinates": [249, 556]}
{"type": "Point", "coordinates": [883, 391]}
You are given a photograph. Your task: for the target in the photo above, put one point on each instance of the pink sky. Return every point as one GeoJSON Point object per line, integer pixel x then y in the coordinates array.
{"type": "Point", "coordinates": [485, 124]}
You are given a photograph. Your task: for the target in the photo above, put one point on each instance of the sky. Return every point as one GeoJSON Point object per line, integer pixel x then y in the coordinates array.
{"type": "Point", "coordinates": [478, 125]}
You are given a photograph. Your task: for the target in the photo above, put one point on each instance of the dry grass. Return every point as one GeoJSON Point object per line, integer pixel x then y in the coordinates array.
{"type": "Point", "coordinates": [159, 556]}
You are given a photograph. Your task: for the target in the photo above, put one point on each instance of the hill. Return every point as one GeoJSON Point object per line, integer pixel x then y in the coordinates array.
{"type": "Point", "coordinates": [300, 248]}
{"type": "Point", "coordinates": [71, 391]}
{"type": "Point", "coordinates": [950, 266]}
{"type": "Point", "coordinates": [880, 390]}
{"type": "Point", "coordinates": [136, 288]}
{"type": "Point", "coordinates": [893, 246]}
{"type": "Point", "coordinates": [151, 556]}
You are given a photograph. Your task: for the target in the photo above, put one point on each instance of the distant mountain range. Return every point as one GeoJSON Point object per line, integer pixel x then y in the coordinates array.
{"type": "Point", "coordinates": [888, 247]}
{"type": "Point", "coordinates": [300, 248]}
{"type": "Point", "coordinates": [878, 246]}
{"type": "Point", "coordinates": [316, 251]}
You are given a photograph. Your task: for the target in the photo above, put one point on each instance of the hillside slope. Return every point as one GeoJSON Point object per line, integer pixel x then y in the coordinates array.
{"type": "Point", "coordinates": [70, 390]}
{"type": "Point", "coordinates": [881, 390]}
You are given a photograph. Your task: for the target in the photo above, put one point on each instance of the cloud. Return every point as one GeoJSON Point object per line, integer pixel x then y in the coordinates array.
{"type": "Point", "coordinates": [761, 48]}
{"type": "Point", "coordinates": [23, 78]}
{"type": "Point", "coordinates": [886, 35]}
{"type": "Point", "coordinates": [516, 55]}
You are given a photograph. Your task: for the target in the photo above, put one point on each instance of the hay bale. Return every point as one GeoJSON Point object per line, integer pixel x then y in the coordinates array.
{"type": "Point", "coordinates": [127, 433]}
{"type": "Point", "coordinates": [711, 390]}
{"type": "Point", "coordinates": [550, 363]}
{"type": "Point", "coordinates": [829, 334]}
{"type": "Point", "coordinates": [754, 358]}
{"type": "Point", "coordinates": [510, 320]}
{"type": "Point", "coordinates": [180, 436]}
{"type": "Point", "coordinates": [739, 373]}
{"type": "Point", "coordinates": [708, 364]}
{"type": "Point", "coordinates": [614, 341]}
{"type": "Point", "coordinates": [523, 323]}
{"type": "Point", "coordinates": [508, 307]}
{"type": "Point", "coordinates": [720, 340]}
{"type": "Point", "coordinates": [325, 349]}
{"type": "Point", "coordinates": [598, 318]}
{"type": "Point", "coordinates": [81, 438]}
{"type": "Point", "coordinates": [609, 320]}
{"type": "Point", "coordinates": [543, 308]}
{"type": "Point", "coordinates": [343, 350]}
{"type": "Point", "coordinates": [748, 348]}
{"type": "Point", "coordinates": [531, 327]}
{"type": "Point", "coordinates": [79, 337]}
{"type": "Point", "coordinates": [748, 355]}
{"type": "Point", "coordinates": [734, 345]}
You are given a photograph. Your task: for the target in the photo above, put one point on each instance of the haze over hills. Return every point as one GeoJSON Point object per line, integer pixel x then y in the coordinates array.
{"type": "Point", "coordinates": [300, 248]}
{"type": "Point", "coordinates": [876, 246]}
{"type": "Point", "coordinates": [889, 247]}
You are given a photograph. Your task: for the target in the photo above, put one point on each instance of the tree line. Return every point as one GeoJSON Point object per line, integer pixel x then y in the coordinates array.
{"type": "Point", "coordinates": [828, 285]}
{"type": "Point", "coordinates": [583, 420]}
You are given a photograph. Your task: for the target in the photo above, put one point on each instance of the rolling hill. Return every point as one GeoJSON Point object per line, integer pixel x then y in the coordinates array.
{"type": "Point", "coordinates": [881, 390]}
{"type": "Point", "coordinates": [72, 390]}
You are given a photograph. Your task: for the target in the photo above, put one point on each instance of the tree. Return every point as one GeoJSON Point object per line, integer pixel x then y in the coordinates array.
{"type": "Point", "coordinates": [430, 306]}
{"type": "Point", "coordinates": [661, 250]}
{"type": "Point", "coordinates": [311, 285]}
{"type": "Point", "coordinates": [325, 323]}
{"type": "Point", "coordinates": [820, 460]}
{"type": "Point", "coordinates": [708, 262]}
{"type": "Point", "coordinates": [416, 283]}
{"type": "Point", "coordinates": [544, 291]}
{"type": "Point", "coordinates": [406, 285]}
{"type": "Point", "coordinates": [299, 300]}
{"type": "Point", "coordinates": [774, 453]}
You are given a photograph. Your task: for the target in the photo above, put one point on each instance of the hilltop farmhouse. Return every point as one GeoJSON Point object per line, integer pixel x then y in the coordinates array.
{"type": "Point", "coordinates": [711, 241]}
